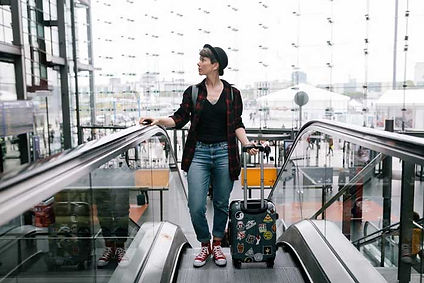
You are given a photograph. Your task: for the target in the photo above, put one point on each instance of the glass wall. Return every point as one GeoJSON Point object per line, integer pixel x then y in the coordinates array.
{"type": "Point", "coordinates": [51, 35]}
{"type": "Point", "coordinates": [6, 33]}
{"type": "Point", "coordinates": [363, 188]}
{"type": "Point", "coordinates": [7, 82]}
{"type": "Point", "coordinates": [41, 72]}
{"type": "Point", "coordinates": [98, 223]}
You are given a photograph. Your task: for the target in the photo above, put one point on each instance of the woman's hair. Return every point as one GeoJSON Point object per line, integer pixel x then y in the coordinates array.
{"type": "Point", "coordinates": [206, 52]}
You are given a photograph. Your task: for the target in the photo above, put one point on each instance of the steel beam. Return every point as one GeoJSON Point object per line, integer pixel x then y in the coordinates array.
{"type": "Point", "coordinates": [9, 50]}
{"type": "Point", "coordinates": [64, 81]}
{"type": "Point", "coordinates": [85, 67]}
{"type": "Point", "coordinates": [387, 180]}
{"type": "Point", "coordinates": [75, 64]}
{"type": "Point", "coordinates": [91, 63]}
{"type": "Point", "coordinates": [406, 210]}
{"type": "Point", "coordinates": [19, 66]}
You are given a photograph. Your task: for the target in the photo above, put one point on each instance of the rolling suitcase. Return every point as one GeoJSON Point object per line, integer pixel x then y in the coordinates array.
{"type": "Point", "coordinates": [252, 224]}
{"type": "Point", "coordinates": [70, 242]}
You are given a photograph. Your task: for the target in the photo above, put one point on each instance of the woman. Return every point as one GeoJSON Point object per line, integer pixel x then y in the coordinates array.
{"type": "Point", "coordinates": [211, 150]}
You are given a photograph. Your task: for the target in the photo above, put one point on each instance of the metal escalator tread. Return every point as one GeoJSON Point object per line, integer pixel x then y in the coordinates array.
{"type": "Point", "coordinates": [285, 270]}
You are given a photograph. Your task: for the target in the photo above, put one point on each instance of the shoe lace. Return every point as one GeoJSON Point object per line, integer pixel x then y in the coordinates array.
{"type": "Point", "coordinates": [107, 253]}
{"type": "Point", "coordinates": [217, 251]}
{"type": "Point", "coordinates": [204, 252]}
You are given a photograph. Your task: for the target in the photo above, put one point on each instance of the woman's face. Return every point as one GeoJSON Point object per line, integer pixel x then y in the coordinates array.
{"type": "Point", "coordinates": [205, 66]}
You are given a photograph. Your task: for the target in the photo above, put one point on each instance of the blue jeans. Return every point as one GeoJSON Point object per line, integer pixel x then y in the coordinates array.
{"type": "Point", "coordinates": [209, 161]}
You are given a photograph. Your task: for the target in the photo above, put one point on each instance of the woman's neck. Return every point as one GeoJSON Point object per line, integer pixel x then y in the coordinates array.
{"type": "Point", "coordinates": [213, 80]}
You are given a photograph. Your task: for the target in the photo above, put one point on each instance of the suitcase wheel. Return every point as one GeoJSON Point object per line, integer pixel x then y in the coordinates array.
{"type": "Point", "coordinates": [236, 263]}
{"type": "Point", "coordinates": [270, 263]}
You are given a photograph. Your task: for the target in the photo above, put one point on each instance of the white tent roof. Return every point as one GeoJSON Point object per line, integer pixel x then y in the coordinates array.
{"type": "Point", "coordinates": [314, 94]}
{"type": "Point", "coordinates": [413, 97]}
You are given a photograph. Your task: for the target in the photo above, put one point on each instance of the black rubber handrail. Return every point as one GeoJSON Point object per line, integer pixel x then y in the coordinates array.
{"type": "Point", "coordinates": [386, 231]}
{"type": "Point", "coordinates": [55, 161]}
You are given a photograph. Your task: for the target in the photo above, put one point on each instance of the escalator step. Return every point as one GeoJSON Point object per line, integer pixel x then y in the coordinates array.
{"type": "Point", "coordinates": [285, 270]}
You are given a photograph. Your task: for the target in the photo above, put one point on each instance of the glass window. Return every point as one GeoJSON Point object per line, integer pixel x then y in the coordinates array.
{"type": "Point", "coordinates": [6, 34]}
{"type": "Point", "coordinates": [7, 82]}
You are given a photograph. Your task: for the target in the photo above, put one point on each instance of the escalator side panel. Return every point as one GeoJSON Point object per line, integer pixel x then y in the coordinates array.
{"type": "Point", "coordinates": [314, 254]}
{"type": "Point", "coordinates": [356, 262]}
{"type": "Point", "coordinates": [329, 258]}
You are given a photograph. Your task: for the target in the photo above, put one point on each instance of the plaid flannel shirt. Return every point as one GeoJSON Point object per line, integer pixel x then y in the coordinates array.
{"type": "Point", "coordinates": [186, 112]}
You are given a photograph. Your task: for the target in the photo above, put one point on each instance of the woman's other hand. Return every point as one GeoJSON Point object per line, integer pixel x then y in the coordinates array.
{"type": "Point", "coordinates": [252, 151]}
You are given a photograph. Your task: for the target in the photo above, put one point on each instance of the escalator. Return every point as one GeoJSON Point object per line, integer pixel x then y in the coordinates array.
{"type": "Point", "coordinates": [368, 179]}
{"type": "Point", "coordinates": [60, 215]}
{"type": "Point", "coordinates": [381, 247]}
{"type": "Point", "coordinates": [125, 191]}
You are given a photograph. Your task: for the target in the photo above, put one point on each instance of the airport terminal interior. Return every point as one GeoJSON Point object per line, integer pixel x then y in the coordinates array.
{"type": "Point", "coordinates": [333, 90]}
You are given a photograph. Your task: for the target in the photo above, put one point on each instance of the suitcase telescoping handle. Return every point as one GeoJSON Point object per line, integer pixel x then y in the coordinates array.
{"type": "Point", "coordinates": [261, 161]}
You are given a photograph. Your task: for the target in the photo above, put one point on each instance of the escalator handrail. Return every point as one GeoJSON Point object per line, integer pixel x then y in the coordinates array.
{"type": "Point", "coordinates": [386, 231]}
{"type": "Point", "coordinates": [369, 223]}
{"type": "Point", "coordinates": [46, 177]}
{"type": "Point", "coordinates": [397, 145]}
{"type": "Point", "coordinates": [51, 162]}
{"type": "Point", "coordinates": [326, 254]}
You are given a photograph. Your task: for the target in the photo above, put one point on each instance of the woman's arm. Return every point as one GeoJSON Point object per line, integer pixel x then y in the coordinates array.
{"type": "Point", "coordinates": [182, 115]}
{"type": "Point", "coordinates": [162, 121]}
{"type": "Point", "coordinates": [241, 135]}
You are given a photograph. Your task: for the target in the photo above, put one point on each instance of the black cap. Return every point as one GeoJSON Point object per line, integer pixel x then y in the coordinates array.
{"type": "Point", "coordinates": [220, 56]}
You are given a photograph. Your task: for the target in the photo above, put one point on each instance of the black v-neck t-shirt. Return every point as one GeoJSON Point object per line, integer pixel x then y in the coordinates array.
{"type": "Point", "coordinates": [212, 127]}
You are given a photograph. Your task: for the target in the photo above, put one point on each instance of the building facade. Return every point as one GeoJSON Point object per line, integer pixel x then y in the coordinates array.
{"type": "Point", "coordinates": [45, 54]}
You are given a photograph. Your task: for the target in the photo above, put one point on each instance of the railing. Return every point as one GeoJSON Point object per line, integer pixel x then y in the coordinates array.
{"type": "Point", "coordinates": [276, 137]}
{"type": "Point", "coordinates": [342, 157]}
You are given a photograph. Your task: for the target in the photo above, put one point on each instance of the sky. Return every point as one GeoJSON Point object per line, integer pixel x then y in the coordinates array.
{"type": "Point", "coordinates": [164, 36]}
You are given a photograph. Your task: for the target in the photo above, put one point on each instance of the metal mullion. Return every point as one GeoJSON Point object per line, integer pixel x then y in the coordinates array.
{"type": "Point", "coordinates": [75, 65]}
{"type": "Point", "coordinates": [64, 81]}
{"type": "Point", "coordinates": [406, 209]}
{"type": "Point", "coordinates": [91, 63]}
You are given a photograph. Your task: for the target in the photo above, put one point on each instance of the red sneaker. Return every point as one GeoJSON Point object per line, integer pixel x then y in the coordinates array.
{"type": "Point", "coordinates": [120, 256]}
{"type": "Point", "coordinates": [203, 256]}
{"type": "Point", "coordinates": [218, 255]}
{"type": "Point", "coordinates": [106, 257]}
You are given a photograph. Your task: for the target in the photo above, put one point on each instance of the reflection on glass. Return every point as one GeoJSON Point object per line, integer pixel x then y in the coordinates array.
{"type": "Point", "coordinates": [88, 231]}
{"type": "Point", "coordinates": [53, 237]}
{"type": "Point", "coordinates": [69, 236]}
{"type": "Point", "coordinates": [111, 184]}
{"type": "Point", "coordinates": [357, 194]}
